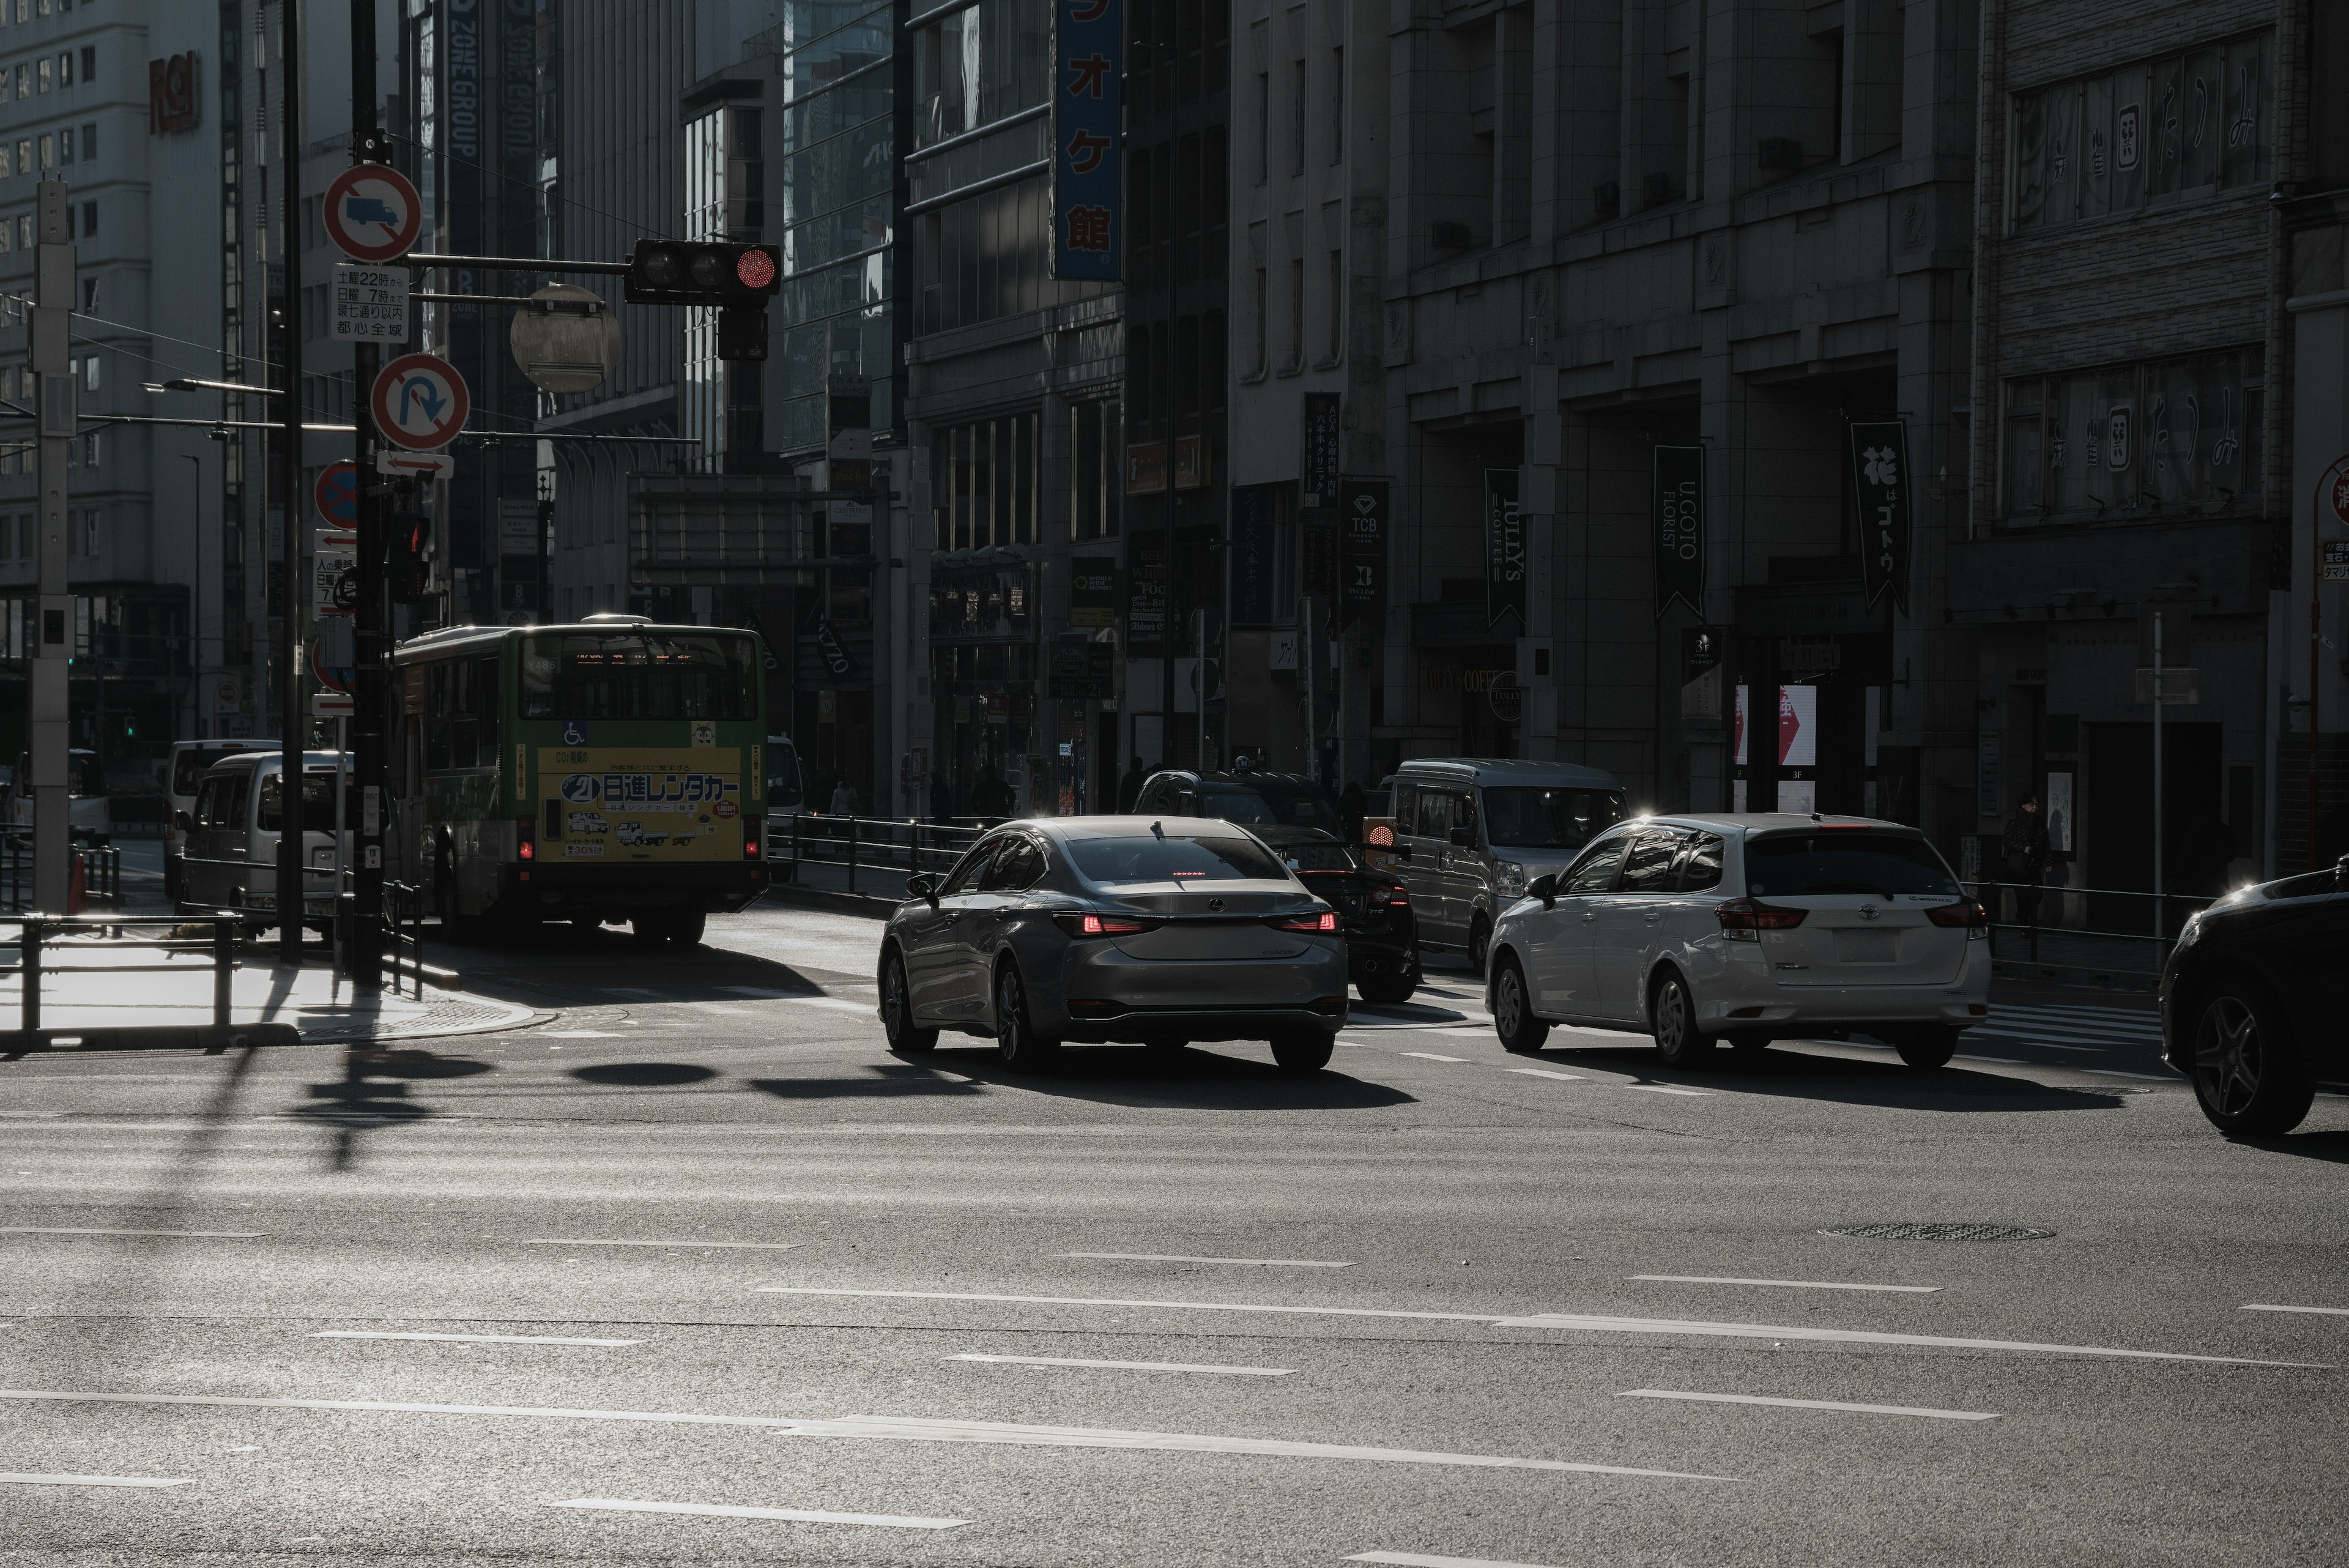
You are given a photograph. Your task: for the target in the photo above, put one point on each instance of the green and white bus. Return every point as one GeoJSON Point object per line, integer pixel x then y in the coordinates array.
{"type": "Point", "coordinates": [609, 771]}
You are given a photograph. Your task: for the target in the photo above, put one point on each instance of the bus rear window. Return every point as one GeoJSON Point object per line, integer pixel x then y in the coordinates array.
{"type": "Point", "coordinates": [586, 675]}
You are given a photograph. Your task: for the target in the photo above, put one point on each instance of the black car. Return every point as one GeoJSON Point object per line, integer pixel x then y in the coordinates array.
{"type": "Point", "coordinates": [1250, 799]}
{"type": "Point", "coordinates": [2251, 1000]}
{"type": "Point", "coordinates": [1373, 909]}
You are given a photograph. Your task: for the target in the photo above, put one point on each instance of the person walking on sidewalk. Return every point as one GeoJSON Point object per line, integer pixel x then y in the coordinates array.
{"type": "Point", "coordinates": [2024, 844]}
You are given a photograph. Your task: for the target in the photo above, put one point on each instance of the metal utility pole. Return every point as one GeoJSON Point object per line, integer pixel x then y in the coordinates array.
{"type": "Point", "coordinates": [371, 619]}
{"type": "Point", "coordinates": [294, 695]}
{"type": "Point", "coordinates": [53, 287]}
{"type": "Point", "coordinates": [2161, 926]}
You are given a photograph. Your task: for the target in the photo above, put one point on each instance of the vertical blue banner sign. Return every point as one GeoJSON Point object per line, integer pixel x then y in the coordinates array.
{"type": "Point", "coordinates": [1088, 226]}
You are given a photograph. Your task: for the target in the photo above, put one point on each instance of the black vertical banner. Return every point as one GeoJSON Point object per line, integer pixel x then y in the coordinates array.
{"type": "Point", "coordinates": [469, 235]}
{"type": "Point", "coordinates": [1319, 482]}
{"type": "Point", "coordinates": [1680, 528]}
{"type": "Point", "coordinates": [1880, 483]}
{"type": "Point", "coordinates": [1362, 546]}
{"type": "Point", "coordinates": [1504, 548]}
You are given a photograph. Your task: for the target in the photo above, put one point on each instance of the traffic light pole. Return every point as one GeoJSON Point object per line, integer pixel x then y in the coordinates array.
{"type": "Point", "coordinates": [53, 286]}
{"type": "Point", "coordinates": [371, 617]}
{"type": "Point", "coordinates": [291, 841]}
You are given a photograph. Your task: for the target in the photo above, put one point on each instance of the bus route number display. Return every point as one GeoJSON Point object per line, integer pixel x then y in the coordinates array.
{"type": "Point", "coordinates": [614, 804]}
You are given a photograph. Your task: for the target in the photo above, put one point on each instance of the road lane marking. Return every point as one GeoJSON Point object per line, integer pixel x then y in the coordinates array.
{"type": "Point", "coordinates": [906, 1428]}
{"type": "Point", "coordinates": [6, 1480]}
{"type": "Point", "coordinates": [1553, 1320]}
{"type": "Point", "coordinates": [802, 1515]}
{"type": "Point", "coordinates": [837, 1004]}
{"type": "Point", "coordinates": [1609, 1325]}
{"type": "Point", "coordinates": [585, 1035]}
{"type": "Point", "coordinates": [1545, 1073]}
{"type": "Point", "coordinates": [2149, 1077]}
{"type": "Point", "coordinates": [1422, 1560]}
{"type": "Point", "coordinates": [2002, 1060]}
{"type": "Point", "coordinates": [82, 1231]}
{"type": "Point", "coordinates": [1791, 1284]}
{"type": "Point", "coordinates": [1666, 1089]}
{"type": "Point", "coordinates": [2271, 1306]}
{"type": "Point", "coordinates": [1187, 1258]}
{"type": "Point", "coordinates": [1430, 1056]}
{"type": "Point", "coordinates": [1810, 1404]}
{"type": "Point", "coordinates": [1131, 1365]}
{"type": "Point", "coordinates": [680, 1241]}
{"type": "Point", "coordinates": [466, 1338]}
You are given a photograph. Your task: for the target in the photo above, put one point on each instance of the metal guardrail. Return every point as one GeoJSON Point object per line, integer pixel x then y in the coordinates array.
{"type": "Point", "coordinates": [102, 869]}
{"type": "Point", "coordinates": [869, 844]}
{"type": "Point", "coordinates": [2077, 945]}
{"type": "Point", "coordinates": [403, 924]}
{"type": "Point", "coordinates": [39, 934]}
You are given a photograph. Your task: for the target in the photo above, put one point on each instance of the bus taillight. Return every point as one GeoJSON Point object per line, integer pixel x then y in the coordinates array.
{"type": "Point", "coordinates": [750, 846]}
{"type": "Point", "coordinates": [523, 847]}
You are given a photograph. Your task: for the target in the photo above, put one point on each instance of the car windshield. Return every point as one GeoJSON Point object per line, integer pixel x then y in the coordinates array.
{"type": "Point", "coordinates": [1266, 805]}
{"type": "Point", "coordinates": [1793, 865]}
{"type": "Point", "coordinates": [1315, 856]}
{"type": "Point", "coordinates": [1531, 817]}
{"type": "Point", "coordinates": [85, 775]}
{"type": "Point", "coordinates": [1149, 859]}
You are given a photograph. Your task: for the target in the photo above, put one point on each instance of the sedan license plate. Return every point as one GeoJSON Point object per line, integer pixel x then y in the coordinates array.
{"type": "Point", "coordinates": [1868, 947]}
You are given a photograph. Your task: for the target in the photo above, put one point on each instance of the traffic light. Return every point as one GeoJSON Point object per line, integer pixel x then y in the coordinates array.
{"type": "Point", "coordinates": [405, 534]}
{"type": "Point", "coordinates": [710, 272]}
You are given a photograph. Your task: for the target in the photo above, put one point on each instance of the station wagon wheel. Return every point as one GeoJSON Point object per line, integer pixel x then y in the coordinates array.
{"type": "Point", "coordinates": [898, 1012]}
{"type": "Point", "coordinates": [1672, 1018]}
{"type": "Point", "coordinates": [2247, 1071]}
{"type": "Point", "coordinates": [1513, 1014]}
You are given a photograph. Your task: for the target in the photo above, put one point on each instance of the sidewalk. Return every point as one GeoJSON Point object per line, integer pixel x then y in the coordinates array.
{"type": "Point", "coordinates": [80, 995]}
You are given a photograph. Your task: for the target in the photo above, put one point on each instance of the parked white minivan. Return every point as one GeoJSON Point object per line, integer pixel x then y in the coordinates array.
{"type": "Point", "coordinates": [189, 761]}
{"type": "Point", "coordinates": [1747, 927]}
{"type": "Point", "coordinates": [233, 831]}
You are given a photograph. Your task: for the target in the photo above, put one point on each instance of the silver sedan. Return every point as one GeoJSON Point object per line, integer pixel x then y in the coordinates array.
{"type": "Point", "coordinates": [1116, 928]}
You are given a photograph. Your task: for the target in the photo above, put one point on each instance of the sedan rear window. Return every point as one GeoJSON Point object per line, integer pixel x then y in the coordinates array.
{"type": "Point", "coordinates": [1791, 865]}
{"type": "Point", "coordinates": [1316, 857]}
{"type": "Point", "coordinates": [1148, 858]}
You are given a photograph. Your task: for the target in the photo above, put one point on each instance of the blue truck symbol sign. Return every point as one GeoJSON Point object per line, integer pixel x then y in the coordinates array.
{"type": "Point", "coordinates": [369, 210]}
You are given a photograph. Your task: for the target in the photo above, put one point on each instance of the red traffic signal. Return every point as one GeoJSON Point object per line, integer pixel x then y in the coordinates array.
{"type": "Point", "coordinates": [709, 272]}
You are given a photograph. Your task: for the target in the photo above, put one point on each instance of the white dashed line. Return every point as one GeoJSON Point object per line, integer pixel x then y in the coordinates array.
{"type": "Point", "coordinates": [1790, 1285]}
{"type": "Point", "coordinates": [1430, 1056]}
{"type": "Point", "coordinates": [89, 1481]}
{"type": "Point", "coordinates": [2002, 1060]}
{"type": "Point", "coordinates": [466, 1338]}
{"type": "Point", "coordinates": [1545, 1073]}
{"type": "Point", "coordinates": [2149, 1077]}
{"type": "Point", "coordinates": [79, 1231]}
{"type": "Point", "coordinates": [673, 1241]}
{"type": "Point", "coordinates": [2271, 1306]}
{"type": "Point", "coordinates": [1131, 1365]}
{"type": "Point", "coordinates": [585, 1035]}
{"type": "Point", "coordinates": [1187, 1258]}
{"type": "Point", "coordinates": [802, 1515]}
{"type": "Point", "coordinates": [1422, 1560]}
{"type": "Point", "coordinates": [1810, 1405]}
{"type": "Point", "coordinates": [1668, 1089]}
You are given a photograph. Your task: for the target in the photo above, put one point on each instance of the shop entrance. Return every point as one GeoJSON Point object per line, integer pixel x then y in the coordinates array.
{"type": "Point", "coordinates": [2115, 828]}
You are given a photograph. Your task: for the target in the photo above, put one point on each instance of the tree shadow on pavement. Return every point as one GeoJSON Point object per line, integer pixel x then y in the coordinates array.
{"type": "Point", "coordinates": [1188, 1079]}
{"type": "Point", "coordinates": [1892, 1086]}
{"type": "Point", "coordinates": [645, 1074]}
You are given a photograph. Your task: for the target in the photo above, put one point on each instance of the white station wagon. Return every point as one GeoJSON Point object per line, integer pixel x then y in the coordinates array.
{"type": "Point", "coordinates": [1748, 928]}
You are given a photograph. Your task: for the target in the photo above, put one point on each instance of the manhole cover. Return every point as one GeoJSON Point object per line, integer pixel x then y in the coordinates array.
{"type": "Point", "coordinates": [1909, 1231]}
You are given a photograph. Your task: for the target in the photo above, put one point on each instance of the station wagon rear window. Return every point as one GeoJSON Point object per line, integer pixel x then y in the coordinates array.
{"type": "Point", "coordinates": [1115, 861]}
{"type": "Point", "coordinates": [1793, 865]}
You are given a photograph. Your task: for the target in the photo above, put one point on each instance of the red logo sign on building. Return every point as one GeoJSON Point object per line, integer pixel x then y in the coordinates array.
{"type": "Point", "coordinates": [171, 97]}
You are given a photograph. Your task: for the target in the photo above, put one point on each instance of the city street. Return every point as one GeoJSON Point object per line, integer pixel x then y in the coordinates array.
{"type": "Point", "coordinates": [693, 1271]}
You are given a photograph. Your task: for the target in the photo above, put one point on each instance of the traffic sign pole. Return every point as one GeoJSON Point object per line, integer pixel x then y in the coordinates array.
{"type": "Point", "coordinates": [295, 687]}
{"type": "Point", "coordinates": [370, 621]}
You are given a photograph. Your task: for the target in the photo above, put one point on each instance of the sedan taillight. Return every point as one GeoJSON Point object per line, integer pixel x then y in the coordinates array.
{"type": "Point", "coordinates": [1327, 921]}
{"type": "Point", "coordinates": [1395, 897]}
{"type": "Point", "coordinates": [1969, 914]}
{"type": "Point", "coordinates": [1744, 920]}
{"type": "Point", "coordinates": [1102, 925]}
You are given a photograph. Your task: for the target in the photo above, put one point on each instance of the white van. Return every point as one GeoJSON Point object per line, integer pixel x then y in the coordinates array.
{"type": "Point", "coordinates": [90, 813]}
{"type": "Point", "coordinates": [189, 761]}
{"type": "Point", "coordinates": [230, 861]}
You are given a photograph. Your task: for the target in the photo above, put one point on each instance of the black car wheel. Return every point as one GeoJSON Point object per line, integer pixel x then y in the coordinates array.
{"type": "Point", "coordinates": [1016, 1040]}
{"type": "Point", "coordinates": [1513, 1013]}
{"type": "Point", "coordinates": [898, 1012]}
{"type": "Point", "coordinates": [1386, 989]}
{"type": "Point", "coordinates": [1672, 1018]}
{"type": "Point", "coordinates": [1303, 1050]}
{"type": "Point", "coordinates": [1927, 1047]}
{"type": "Point", "coordinates": [1748, 1042]}
{"type": "Point", "coordinates": [1480, 943]}
{"type": "Point", "coordinates": [2247, 1071]}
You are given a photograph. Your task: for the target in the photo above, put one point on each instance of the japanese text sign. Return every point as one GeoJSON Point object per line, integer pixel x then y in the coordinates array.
{"type": "Point", "coordinates": [1088, 228]}
{"type": "Point", "coordinates": [1879, 472]}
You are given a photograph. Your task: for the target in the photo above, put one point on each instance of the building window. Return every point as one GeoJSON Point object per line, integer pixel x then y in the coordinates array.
{"type": "Point", "coordinates": [2147, 134]}
{"type": "Point", "coordinates": [983, 481]}
{"type": "Point", "coordinates": [1297, 118]}
{"type": "Point", "coordinates": [1337, 303]}
{"type": "Point", "coordinates": [48, 152]}
{"type": "Point", "coordinates": [89, 373]}
{"type": "Point", "coordinates": [1262, 345]}
{"type": "Point", "coordinates": [1337, 106]}
{"type": "Point", "coordinates": [1297, 313]}
{"type": "Point", "coordinates": [1263, 126]}
{"type": "Point", "coordinates": [41, 73]}
{"type": "Point", "coordinates": [1095, 492]}
{"type": "Point", "coordinates": [88, 143]}
{"type": "Point", "coordinates": [64, 69]}
{"type": "Point", "coordinates": [88, 62]}
{"type": "Point", "coordinates": [2158, 439]}
{"type": "Point", "coordinates": [89, 220]}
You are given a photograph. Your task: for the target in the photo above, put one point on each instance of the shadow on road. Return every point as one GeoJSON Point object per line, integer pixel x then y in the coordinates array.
{"type": "Point", "coordinates": [372, 1095]}
{"type": "Point", "coordinates": [1186, 1079]}
{"type": "Point", "coordinates": [645, 1074]}
{"type": "Point", "coordinates": [2331, 1144]}
{"type": "Point", "coordinates": [884, 1080]}
{"type": "Point", "coordinates": [1892, 1086]}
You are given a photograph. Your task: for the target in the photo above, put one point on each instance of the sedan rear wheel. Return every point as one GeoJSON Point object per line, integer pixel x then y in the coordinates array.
{"type": "Point", "coordinates": [898, 1012]}
{"type": "Point", "coordinates": [2247, 1071]}
{"type": "Point", "coordinates": [1016, 1040]}
{"type": "Point", "coordinates": [1303, 1050]}
{"type": "Point", "coordinates": [1674, 1019]}
{"type": "Point", "coordinates": [1513, 1014]}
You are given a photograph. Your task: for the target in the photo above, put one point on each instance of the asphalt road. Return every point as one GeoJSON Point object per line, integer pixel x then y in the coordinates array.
{"type": "Point", "coordinates": [699, 1242]}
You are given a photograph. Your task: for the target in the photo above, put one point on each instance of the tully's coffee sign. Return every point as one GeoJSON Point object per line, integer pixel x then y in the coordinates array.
{"type": "Point", "coordinates": [1679, 503]}
{"type": "Point", "coordinates": [1880, 481]}
{"type": "Point", "coordinates": [1504, 548]}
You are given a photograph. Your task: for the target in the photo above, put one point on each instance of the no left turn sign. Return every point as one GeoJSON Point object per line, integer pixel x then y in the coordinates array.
{"type": "Point", "coordinates": [421, 403]}
{"type": "Point", "coordinates": [373, 213]}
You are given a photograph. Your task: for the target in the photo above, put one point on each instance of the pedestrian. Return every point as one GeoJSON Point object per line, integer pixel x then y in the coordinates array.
{"type": "Point", "coordinates": [990, 797]}
{"type": "Point", "coordinates": [2024, 844]}
{"type": "Point", "coordinates": [1352, 805]}
{"type": "Point", "coordinates": [844, 797]}
{"type": "Point", "coordinates": [1129, 788]}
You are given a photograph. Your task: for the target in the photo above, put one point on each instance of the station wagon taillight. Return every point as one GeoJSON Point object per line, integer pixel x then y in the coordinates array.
{"type": "Point", "coordinates": [1744, 920]}
{"type": "Point", "coordinates": [1967, 913]}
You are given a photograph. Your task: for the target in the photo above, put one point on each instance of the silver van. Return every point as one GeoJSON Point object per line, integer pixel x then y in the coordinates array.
{"type": "Point", "coordinates": [232, 833]}
{"type": "Point", "coordinates": [189, 761]}
{"type": "Point", "coordinates": [1471, 832]}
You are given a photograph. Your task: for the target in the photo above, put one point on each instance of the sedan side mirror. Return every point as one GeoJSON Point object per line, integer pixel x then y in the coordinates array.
{"type": "Point", "coordinates": [1464, 837]}
{"type": "Point", "coordinates": [922, 885]}
{"type": "Point", "coordinates": [1544, 888]}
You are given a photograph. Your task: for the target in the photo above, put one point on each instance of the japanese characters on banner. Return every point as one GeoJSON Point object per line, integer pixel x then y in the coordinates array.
{"type": "Point", "coordinates": [1680, 528]}
{"type": "Point", "coordinates": [1088, 227]}
{"type": "Point", "coordinates": [1504, 548]}
{"type": "Point", "coordinates": [1880, 481]}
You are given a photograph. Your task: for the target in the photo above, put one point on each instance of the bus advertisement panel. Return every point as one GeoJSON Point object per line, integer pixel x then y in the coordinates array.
{"type": "Point", "coordinates": [626, 804]}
